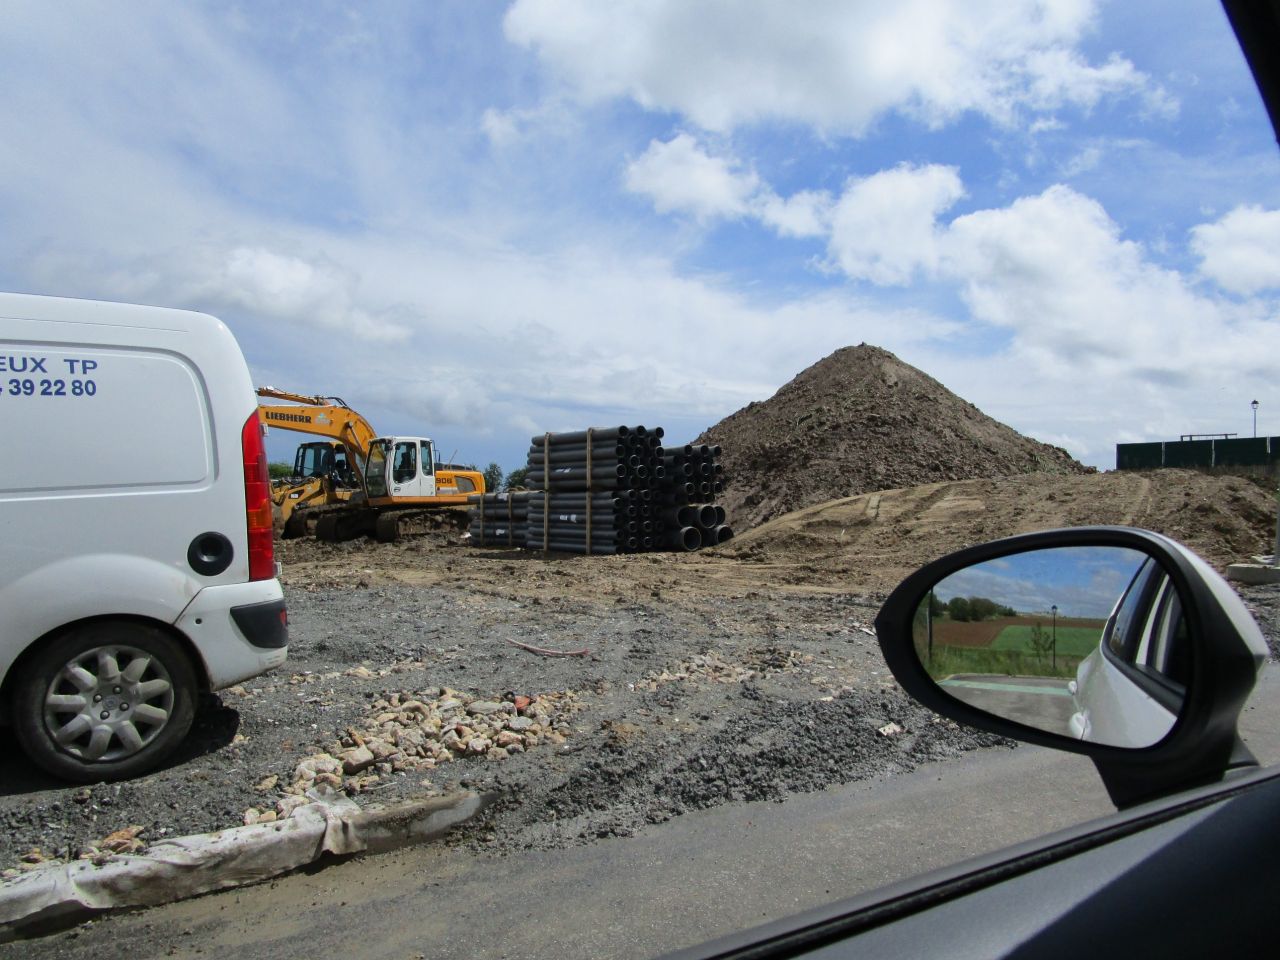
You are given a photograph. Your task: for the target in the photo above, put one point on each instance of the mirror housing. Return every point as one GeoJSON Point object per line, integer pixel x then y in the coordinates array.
{"type": "Point", "coordinates": [1227, 651]}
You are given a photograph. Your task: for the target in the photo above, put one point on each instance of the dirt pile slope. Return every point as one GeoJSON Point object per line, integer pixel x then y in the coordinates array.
{"type": "Point", "coordinates": [857, 421]}
{"type": "Point", "coordinates": [876, 539]}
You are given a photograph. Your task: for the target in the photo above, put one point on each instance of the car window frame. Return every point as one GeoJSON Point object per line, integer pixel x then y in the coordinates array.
{"type": "Point", "coordinates": [1156, 587]}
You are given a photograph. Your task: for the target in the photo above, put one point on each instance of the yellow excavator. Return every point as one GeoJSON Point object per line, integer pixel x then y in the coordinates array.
{"type": "Point", "coordinates": [356, 483]}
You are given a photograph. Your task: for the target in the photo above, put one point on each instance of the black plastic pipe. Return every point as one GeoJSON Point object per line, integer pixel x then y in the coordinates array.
{"type": "Point", "coordinates": [717, 535]}
{"type": "Point", "coordinates": [579, 473]}
{"type": "Point", "coordinates": [687, 539]}
{"type": "Point", "coordinates": [595, 433]}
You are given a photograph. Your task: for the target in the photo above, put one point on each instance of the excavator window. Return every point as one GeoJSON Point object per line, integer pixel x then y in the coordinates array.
{"type": "Point", "coordinates": [375, 469]}
{"type": "Point", "coordinates": [342, 469]}
{"type": "Point", "coordinates": [406, 461]}
{"type": "Point", "coordinates": [313, 460]}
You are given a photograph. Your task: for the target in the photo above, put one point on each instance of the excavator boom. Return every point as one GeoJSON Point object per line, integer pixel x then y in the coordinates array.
{"type": "Point", "coordinates": [323, 417]}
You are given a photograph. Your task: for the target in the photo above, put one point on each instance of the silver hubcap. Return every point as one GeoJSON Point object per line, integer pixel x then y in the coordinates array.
{"type": "Point", "coordinates": [108, 703]}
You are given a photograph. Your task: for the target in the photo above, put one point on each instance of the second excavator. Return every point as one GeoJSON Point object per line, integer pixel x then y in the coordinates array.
{"type": "Point", "coordinates": [356, 483]}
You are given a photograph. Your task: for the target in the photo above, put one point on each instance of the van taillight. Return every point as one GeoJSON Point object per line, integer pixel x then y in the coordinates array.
{"type": "Point", "coordinates": [257, 501]}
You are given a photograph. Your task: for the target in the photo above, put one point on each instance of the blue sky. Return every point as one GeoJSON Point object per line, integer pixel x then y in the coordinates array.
{"type": "Point", "coordinates": [478, 221]}
{"type": "Point", "coordinates": [1079, 581]}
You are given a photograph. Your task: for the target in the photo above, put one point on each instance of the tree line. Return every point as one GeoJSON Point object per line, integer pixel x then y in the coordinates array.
{"type": "Point", "coordinates": [968, 609]}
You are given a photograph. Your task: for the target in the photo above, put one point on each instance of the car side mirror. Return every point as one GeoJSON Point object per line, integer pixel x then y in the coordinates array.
{"type": "Point", "coordinates": [1117, 643]}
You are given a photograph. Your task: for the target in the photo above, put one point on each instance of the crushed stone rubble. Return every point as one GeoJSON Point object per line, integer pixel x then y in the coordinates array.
{"type": "Point", "coordinates": [407, 732]}
{"type": "Point", "coordinates": [403, 732]}
{"type": "Point", "coordinates": [713, 668]}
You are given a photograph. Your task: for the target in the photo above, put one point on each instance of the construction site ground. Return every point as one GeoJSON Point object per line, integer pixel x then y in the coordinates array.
{"type": "Point", "coordinates": [656, 684]}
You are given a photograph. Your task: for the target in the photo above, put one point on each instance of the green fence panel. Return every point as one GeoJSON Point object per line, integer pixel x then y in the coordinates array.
{"type": "Point", "coordinates": [1188, 453]}
{"type": "Point", "coordinates": [1240, 452]}
{"type": "Point", "coordinates": [1139, 456]}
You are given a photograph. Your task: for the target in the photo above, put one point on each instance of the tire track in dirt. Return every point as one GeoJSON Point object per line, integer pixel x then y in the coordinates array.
{"type": "Point", "coordinates": [1141, 506]}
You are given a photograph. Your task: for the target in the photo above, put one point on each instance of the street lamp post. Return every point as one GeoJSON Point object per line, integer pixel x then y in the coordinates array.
{"type": "Point", "coordinates": [1255, 417]}
{"type": "Point", "coordinates": [1054, 609]}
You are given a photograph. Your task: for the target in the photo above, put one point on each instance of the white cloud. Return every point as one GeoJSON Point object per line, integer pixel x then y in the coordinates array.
{"type": "Point", "coordinates": [884, 226]}
{"type": "Point", "coordinates": [502, 127]}
{"type": "Point", "coordinates": [680, 175]}
{"type": "Point", "coordinates": [1059, 76]}
{"type": "Point", "coordinates": [834, 65]}
{"type": "Point", "coordinates": [1241, 251]}
{"type": "Point", "coordinates": [1101, 339]}
{"type": "Point", "coordinates": [505, 129]}
{"type": "Point", "coordinates": [803, 214]}
{"type": "Point", "coordinates": [1055, 269]}
{"type": "Point", "coordinates": [316, 294]}
{"type": "Point", "coordinates": [1046, 125]}
{"type": "Point", "coordinates": [1084, 161]}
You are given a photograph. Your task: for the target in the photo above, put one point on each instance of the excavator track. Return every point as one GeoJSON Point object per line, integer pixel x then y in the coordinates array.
{"type": "Point", "coordinates": [340, 526]}
{"type": "Point", "coordinates": [386, 528]}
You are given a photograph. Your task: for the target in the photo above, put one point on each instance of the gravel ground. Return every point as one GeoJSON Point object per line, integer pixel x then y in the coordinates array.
{"type": "Point", "coordinates": [677, 705]}
{"type": "Point", "coordinates": [694, 690]}
{"type": "Point", "coordinates": [1264, 603]}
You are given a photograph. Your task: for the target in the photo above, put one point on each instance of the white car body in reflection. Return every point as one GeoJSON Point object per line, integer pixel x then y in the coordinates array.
{"type": "Point", "coordinates": [1111, 709]}
{"type": "Point", "coordinates": [1123, 696]}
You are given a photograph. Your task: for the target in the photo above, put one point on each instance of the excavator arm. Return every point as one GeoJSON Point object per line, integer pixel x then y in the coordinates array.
{"type": "Point", "coordinates": [323, 417]}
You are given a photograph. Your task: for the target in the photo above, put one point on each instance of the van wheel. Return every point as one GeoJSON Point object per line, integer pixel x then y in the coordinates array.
{"type": "Point", "coordinates": [104, 701]}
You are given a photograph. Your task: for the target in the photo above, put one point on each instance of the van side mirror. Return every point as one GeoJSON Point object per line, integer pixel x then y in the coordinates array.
{"type": "Point", "coordinates": [1113, 642]}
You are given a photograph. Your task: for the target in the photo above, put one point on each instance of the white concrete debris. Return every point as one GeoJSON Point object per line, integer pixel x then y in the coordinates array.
{"type": "Point", "coordinates": [187, 866]}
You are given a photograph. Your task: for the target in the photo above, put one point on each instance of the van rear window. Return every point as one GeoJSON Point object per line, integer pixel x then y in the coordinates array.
{"type": "Point", "coordinates": [93, 418]}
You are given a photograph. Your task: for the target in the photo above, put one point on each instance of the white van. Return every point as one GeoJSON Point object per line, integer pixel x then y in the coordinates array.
{"type": "Point", "coordinates": [136, 562]}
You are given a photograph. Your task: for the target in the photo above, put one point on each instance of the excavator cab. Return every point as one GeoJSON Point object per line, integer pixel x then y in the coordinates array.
{"type": "Point", "coordinates": [400, 467]}
{"type": "Point", "coordinates": [313, 460]}
{"type": "Point", "coordinates": [324, 460]}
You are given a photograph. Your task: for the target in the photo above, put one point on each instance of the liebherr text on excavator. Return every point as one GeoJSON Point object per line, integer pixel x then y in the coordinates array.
{"type": "Point", "coordinates": [356, 483]}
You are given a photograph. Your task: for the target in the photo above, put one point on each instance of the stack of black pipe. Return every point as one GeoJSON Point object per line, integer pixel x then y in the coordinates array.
{"type": "Point", "coordinates": [693, 473]}
{"type": "Point", "coordinates": [617, 490]}
{"type": "Point", "coordinates": [692, 481]}
{"type": "Point", "coordinates": [498, 519]}
{"type": "Point", "coordinates": [597, 490]}
{"type": "Point", "coordinates": [607, 490]}
{"type": "Point", "coordinates": [693, 525]}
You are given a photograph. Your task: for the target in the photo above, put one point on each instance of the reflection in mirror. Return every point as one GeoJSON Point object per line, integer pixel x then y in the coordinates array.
{"type": "Point", "coordinates": [1086, 642]}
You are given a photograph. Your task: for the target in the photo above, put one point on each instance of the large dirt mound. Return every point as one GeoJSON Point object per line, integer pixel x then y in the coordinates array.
{"type": "Point", "coordinates": [858, 421]}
